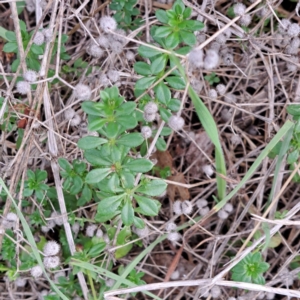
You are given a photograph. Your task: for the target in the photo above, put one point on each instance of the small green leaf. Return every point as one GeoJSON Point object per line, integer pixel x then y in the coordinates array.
{"type": "Point", "coordinates": [109, 205]}
{"type": "Point", "coordinates": [96, 124]}
{"type": "Point", "coordinates": [293, 157]}
{"type": "Point", "coordinates": [41, 175]}
{"type": "Point", "coordinates": [140, 165]}
{"type": "Point", "coordinates": [165, 114]}
{"type": "Point", "coordinates": [293, 110]}
{"type": "Point", "coordinates": [174, 105]}
{"type": "Point", "coordinates": [11, 36]}
{"type": "Point", "coordinates": [153, 188]}
{"type": "Point", "coordinates": [161, 145]}
{"type": "Point", "coordinates": [10, 47]}
{"type": "Point", "coordinates": [161, 16]}
{"type": "Point", "coordinates": [96, 249]}
{"type": "Point", "coordinates": [163, 93]}
{"type": "Point", "coordinates": [131, 139]}
{"type": "Point", "coordinates": [64, 164]}
{"type": "Point", "coordinates": [97, 175]}
{"type": "Point", "coordinates": [144, 83]}
{"type": "Point", "coordinates": [176, 82]}
{"type": "Point", "coordinates": [158, 64]}
{"type": "Point", "coordinates": [127, 213]}
{"type": "Point", "coordinates": [142, 68]}
{"type": "Point", "coordinates": [163, 31]}
{"type": "Point", "coordinates": [173, 40]}
{"type": "Point", "coordinates": [148, 52]}
{"type": "Point", "coordinates": [90, 142]}
{"type": "Point", "coordinates": [147, 206]}
{"type": "Point", "coordinates": [188, 37]}
{"type": "Point", "coordinates": [38, 50]}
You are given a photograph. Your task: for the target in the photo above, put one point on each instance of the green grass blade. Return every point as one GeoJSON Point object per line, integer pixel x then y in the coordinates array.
{"type": "Point", "coordinates": [31, 241]}
{"type": "Point", "coordinates": [279, 135]}
{"type": "Point", "coordinates": [106, 273]}
{"type": "Point", "coordinates": [211, 129]}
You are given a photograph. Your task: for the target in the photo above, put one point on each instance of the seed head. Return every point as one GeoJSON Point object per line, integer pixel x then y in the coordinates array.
{"type": "Point", "coordinates": [222, 214]}
{"type": "Point", "coordinates": [69, 113]}
{"type": "Point", "coordinates": [228, 207]}
{"type": "Point", "coordinates": [90, 230]}
{"type": "Point", "coordinates": [221, 38]}
{"type": "Point", "coordinates": [109, 282]}
{"type": "Point", "coordinates": [177, 208]}
{"type": "Point", "coordinates": [30, 5]}
{"type": "Point", "coordinates": [146, 132]}
{"type": "Point", "coordinates": [226, 114]}
{"type": "Point", "coordinates": [176, 122]}
{"type": "Point", "coordinates": [270, 296]}
{"type": "Point", "coordinates": [36, 271]}
{"type": "Point", "coordinates": [212, 93]}
{"type": "Point", "coordinates": [30, 76]}
{"type": "Point", "coordinates": [215, 292]}
{"type": "Point", "coordinates": [51, 248]}
{"type": "Point", "coordinates": [171, 226]}
{"type": "Point", "coordinates": [95, 51]}
{"type": "Point", "coordinates": [108, 24]}
{"type": "Point", "coordinates": [284, 25]}
{"type": "Point", "coordinates": [57, 218]}
{"type": "Point", "coordinates": [11, 217]}
{"type": "Point", "coordinates": [130, 55]}
{"type": "Point", "coordinates": [196, 58]}
{"type": "Point", "coordinates": [235, 139]}
{"type": "Point", "coordinates": [23, 87]}
{"type": "Point", "coordinates": [103, 41]}
{"type": "Point", "coordinates": [82, 92]}
{"type": "Point", "coordinates": [51, 223]}
{"type": "Point", "coordinates": [175, 275]}
{"type": "Point", "coordinates": [149, 117]}
{"type": "Point", "coordinates": [187, 207]}
{"type": "Point", "coordinates": [151, 108]}
{"type": "Point", "coordinates": [173, 236]}
{"type": "Point", "coordinates": [215, 46]}
{"type": "Point", "coordinates": [142, 233]}
{"type": "Point", "coordinates": [208, 170]}
{"type": "Point", "coordinates": [230, 98]}
{"type": "Point", "coordinates": [51, 262]}
{"type": "Point", "coordinates": [116, 47]}
{"type": "Point", "coordinates": [58, 275]}
{"type": "Point", "coordinates": [239, 9]}
{"type": "Point", "coordinates": [204, 211]}
{"type": "Point", "coordinates": [76, 227]}
{"type": "Point", "coordinates": [201, 203]}
{"type": "Point", "coordinates": [211, 59]}
{"type": "Point", "coordinates": [76, 120]}
{"type": "Point", "coordinates": [291, 65]}
{"type": "Point", "coordinates": [120, 37]}
{"type": "Point", "coordinates": [48, 33]}
{"type": "Point", "coordinates": [103, 80]}
{"type": "Point", "coordinates": [113, 75]}
{"type": "Point", "coordinates": [221, 88]}
{"type": "Point", "coordinates": [39, 38]}
{"type": "Point", "coordinates": [293, 30]}
{"type": "Point", "coordinates": [245, 20]}
{"type": "Point", "coordinates": [99, 233]}
{"type": "Point", "coordinates": [20, 282]}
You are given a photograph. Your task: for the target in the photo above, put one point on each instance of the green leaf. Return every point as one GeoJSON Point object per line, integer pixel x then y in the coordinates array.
{"type": "Point", "coordinates": [97, 175]}
{"type": "Point", "coordinates": [293, 110]}
{"type": "Point", "coordinates": [188, 37]}
{"type": "Point", "coordinates": [293, 157]}
{"type": "Point", "coordinates": [174, 105]}
{"type": "Point", "coordinates": [127, 213]}
{"type": "Point", "coordinates": [10, 36]}
{"type": "Point", "coordinates": [148, 52]}
{"type": "Point", "coordinates": [144, 83]}
{"type": "Point", "coordinates": [31, 175]}
{"type": "Point", "coordinates": [91, 108]}
{"type": "Point", "coordinates": [64, 164]}
{"type": "Point", "coordinates": [130, 140]}
{"type": "Point", "coordinates": [158, 64]}
{"type": "Point", "coordinates": [41, 175]}
{"type": "Point", "coordinates": [173, 40]}
{"type": "Point", "coordinates": [165, 114]}
{"type": "Point", "coordinates": [187, 12]}
{"type": "Point", "coordinates": [161, 145]}
{"type": "Point", "coordinates": [163, 31]}
{"type": "Point", "coordinates": [140, 165]}
{"type": "Point", "coordinates": [86, 195]}
{"type": "Point", "coordinates": [161, 16]}
{"type": "Point", "coordinates": [96, 249]}
{"type": "Point", "coordinates": [193, 25]}
{"type": "Point", "coordinates": [127, 123]}
{"type": "Point", "coordinates": [123, 238]}
{"type": "Point", "coordinates": [109, 205]}
{"type": "Point", "coordinates": [126, 109]}
{"type": "Point", "coordinates": [95, 158]}
{"type": "Point", "coordinates": [163, 93]}
{"type": "Point", "coordinates": [90, 142]}
{"type": "Point", "coordinates": [138, 223]}
{"type": "Point", "coordinates": [15, 65]}
{"type": "Point", "coordinates": [23, 26]}
{"type": "Point", "coordinates": [96, 124]}
{"type": "Point", "coordinates": [38, 50]}
{"type": "Point", "coordinates": [10, 47]}
{"type": "Point", "coordinates": [147, 206]}
{"type": "Point", "coordinates": [142, 68]}
{"type": "Point", "coordinates": [176, 82]}
{"type": "Point", "coordinates": [153, 188]}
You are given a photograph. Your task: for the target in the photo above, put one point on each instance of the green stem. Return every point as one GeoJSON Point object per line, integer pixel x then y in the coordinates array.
{"type": "Point", "coordinates": [92, 284]}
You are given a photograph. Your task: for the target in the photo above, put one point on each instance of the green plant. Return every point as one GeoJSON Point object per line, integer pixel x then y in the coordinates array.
{"type": "Point", "coordinates": [212, 78]}
{"type": "Point", "coordinates": [250, 269]}
{"type": "Point", "coordinates": [126, 10]}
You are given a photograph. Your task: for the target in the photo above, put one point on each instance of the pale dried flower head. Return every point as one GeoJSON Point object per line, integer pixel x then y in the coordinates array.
{"type": "Point", "coordinates": [108, 24]}
{"type": "Point", "coordinates": [51, 262]}
{"type": "Point", "coordinates": [23, 87]}
{"type": "Point", "coordinates": [36, 271]}
{"type": "Point", "coordinates": [146, 132]}
{"type": "Point", "coordinates": [82, 92]}
{"type": "Point", "coordinates": [176, 122]}
{"type": "Point", "coordinates": [51, 248]}
{"type": "Point", "coordinates": [30, 76]}
{"type": "Point", "coordinates": [39, 38]}
{"type": "Point", "coordinates": [90, 230]}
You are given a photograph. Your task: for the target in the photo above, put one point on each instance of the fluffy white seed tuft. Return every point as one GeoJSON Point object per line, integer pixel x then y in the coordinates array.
{"type": "Point", "coordinates": [201, 203]}
{"type": "Point", "coordinates": [108, 24]}
{"type": "Point", "coordinates": [130, 55]}
{"type": "Point", "coordinates": [113, 75]}
{"type": "Point", "coordinates": [228, 207]}
{"type": "Point", "coordinates": [57, 218]}
{"type": "Point", "coordinates": [95, 51]}
{"type": "Point", "coordinates": [211, 59]}
{"type": "Point", "coordinates": [39, 38]}
{"type": "Point", "coordinates": [20, 282]}
{"type": "Point", "coordinates": [284, 25]}
{"type": "Point", "coordinates": [186, 207]}
{"type": "Point", "coordinates": [69, 113]}
{"type": "Point", "coordinates": [176, 122]}
{"type": "Point", "coordinates": [293, 30]}
{"type": "Point", "coordinates": [99, 233]}
{"type": "Point", "coordinates": [90, 230]}
{"type": "Point", "coordinates": [174, 236]}
{"type": "Point", "coordinates": [82, 92]}
{"type": "Point", "coordinates": [177, 208]}
{"type": "Point", "coordinates": [196, 58]}
{"type": "Point", "coordinates": [76, 227]}
{"type": "Point", "coordinates": [36, 271]}
{"type": "Point", "coordinates": [30, 76]}
{"type": "Point", "coordinates": [175, 275]}
{"type": "Point", "coordinates": [171, 226]}
{"type": "Point", "coordinates": [230, 98]}
{"type": "Point", "coordinates": [11, 217]}
{"type": "Point", "coordinates": [239, 9]}
{"type": "Point", "coordinates": [23, 87]}
{"type": "Point", "coordinates": [76, 120]}
{"type": "Point", "coordinates": [204, 211]}
{"type": "Point", "coordinates": [212, 93]}
{"type": "Point", "coordinates": [48, 33]}
{"type": "Point", "coordinates": [103, 41]}
{"type": "Point", "coordinates": [142, 233]}
{"type": "Point", "coordinates": [116, 47]}
{"type": "Point", "coordinates": [51, 262]}
{"type": "Point", "coordinates": [221, 88]}
{"type": "Point", "coordinates": [245, 20]}
{"type": "Point", "coordinates": [222, 214]}
{"type": "Point", "coordinates": [149, 117]}
{"type": "Point", "coordinates": [151, 108]}
{"type": "Point", "coordinates": [51, 248]}
{"type": "Point", "coordinates": [146, 132]}
{"type": "Point", "coordinates": [208, 170]}
{"type": "Point", "coordinates": [109, 282]}
{"type": "Point", "coordinates": [215, 292]}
